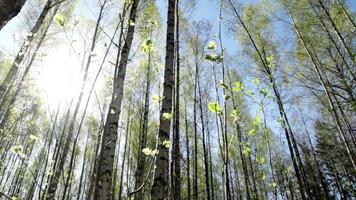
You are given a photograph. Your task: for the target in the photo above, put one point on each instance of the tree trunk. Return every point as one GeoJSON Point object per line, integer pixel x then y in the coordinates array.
{"type": "Point", "coordinates": [206, 165]}
{"type": "Point", "coordinates": [143, 135]}
{"type": "Point", "coordinates": [176, 137]}
{"type": "Point", "coordinates": [9, 9]}
{"type": "Point", "coordinates": [188, 151]}
{"type": "Point", "coordinates": [103, 187]}
{"type": "Point", "coordinates": [159, 188]}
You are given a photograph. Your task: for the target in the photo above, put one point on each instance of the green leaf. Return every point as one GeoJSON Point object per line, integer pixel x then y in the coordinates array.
{"type": "Point", "coordinates": [249, 93]}
{"type": "Point", "coordinates": [167, 144]}
{"type": "Point", "coordinates": [223, 85]}
{"type": "Point", "coordinates": [132, 23]}
{"type": "Point", "coordinates": [246, 151]}
{"type": "Point", "coordinates": [260, 160]}
{"type": "Point", "coordinates": [149, 152]}
{"type": "Point", "coordinates": [212, 45]}
{"type": "Point", "coordinates": [264, 91]}
{"type": "Point", "coordinates": [157, 98]}
{"type": "Point", "coordinates": [167, 116]}
{"type": "Point", "coordinates": [214, 107]}
{"type": "Point", "coordinates": [235, 114]}
{"type": "Point", "coordinates": [238, 86]}
{"type": "Point", "coordinates": [211, 58]}
{"type": "Point", "coordinates": [33, 137]}
{"type": "Point", "coordinates": [60, 20]}
{"type": "Point", "coordinates": [273, 184]}
{"type": "Point", "coordinates": [147, 47]}
{"type": "Point", "coordinates": [17, 149]}
{"type": "Point", "coordinates": [255, 81]}
{"type": "Point", "coordinates": [214, 58]}
{"type": "Point", "coordinates": [270, 60]}
{"type": "Point", "coordinates": [252, 132]}
{"type": "Point", "coordinates": [257, 121]}
{"type": "Point", "coordinates": [220, 58]}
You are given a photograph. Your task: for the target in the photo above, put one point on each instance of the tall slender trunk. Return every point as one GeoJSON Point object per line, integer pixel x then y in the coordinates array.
{"type": "Point", "coordinates": [321, 176]}
{"type": "Point", "coordinates": [176, 136]}
{"type": "Point", "coordinates": [227, 192]}
{"type": "Point", "coordinates": [127, 136]}
{"type": "Point", "coordinates": [84, 162]}
{"type": "Point", "coordinates": [103, 187]}
{"type": "Point", "coordinates": [159, 187]}
{"type": "Point", "coordinates": [206, 164]}
{"type": "Point", "coordinates": [139, 174]}
{"type": "Point", "coordinates": [187, 150]}
{"type": "Point", "coordinates": [195, 167]}
{"type": "Point", "coordinates": [240, 144]}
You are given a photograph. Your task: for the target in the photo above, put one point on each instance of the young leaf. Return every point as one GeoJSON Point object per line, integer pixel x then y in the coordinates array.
{"type": "Point", "coordinates": [17, 149]}
{"type": "Point", "coordinates": [260, 160]}
{"type": "Point", "coordinates": [147, 47]}
{"type": "Point", "coordinates": [238, 86]}
{"type": "Point", "coordinates": [264, 91]}
{"type": "Point", "coordinates": [157, 98]}
{"type": "Point", "coordinates": [60, 20]}
{"type": "Point", "coordinates": [212, 45]}
{"type": "Point", "coordinates": [223, 85]}
{"type": "Point", "coordinates": [255, 81]}
{"type": "Point", "coordinates": [257, 121]}
{"type": "Point", "coordinates": [167, 116]}
{"type": "Point", "coordinates": [246, 151]}
{"type": "Point", "coordinates": [270, 60]}
{"type": "Point", "coordinates": [235, 114]}
{"type": "Point", "coordinates": [214, 108]}
{"type": "Point", "coordinates": [167, 144]}
{"type": "Point", "coordinates": [132, 23]}
{"type": "Point", "coordinates": [252, 132]}
{"type": "Point", "coordinates": [147, 151]}
{"type": "Point", "coordinates": [33, 137]}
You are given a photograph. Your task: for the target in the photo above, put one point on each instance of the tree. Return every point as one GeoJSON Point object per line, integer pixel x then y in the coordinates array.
{"type": "Point", "coordinates": [159, 189]}
{"type": "Point", "coordinates": [103, 185]}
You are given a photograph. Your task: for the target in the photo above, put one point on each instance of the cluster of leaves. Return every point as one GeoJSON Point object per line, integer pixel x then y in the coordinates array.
{"type": "Point", "coordinates": [215, 58]}
{"type": "Point", "coordinates": [214, 107]}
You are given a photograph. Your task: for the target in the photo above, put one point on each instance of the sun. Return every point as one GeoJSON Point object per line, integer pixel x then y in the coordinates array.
{"type": "Point", "coordinates": [59, 77]}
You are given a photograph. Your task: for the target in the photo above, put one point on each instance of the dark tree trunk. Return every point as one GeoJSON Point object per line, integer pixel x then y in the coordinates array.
{"type": "Point", "coordinates": [9, 9]}
{"type": "Point", "coordinates": [103, 187]}
{"type": "Point", "coordinates": [176, 136]}
{"type": "Point", "coordinates": [159, 189]}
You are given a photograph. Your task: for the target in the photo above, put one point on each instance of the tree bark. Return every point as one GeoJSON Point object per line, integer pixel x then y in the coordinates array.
{"type": "Point", "coordinates": [176, 139]}
{"type": "Point", "coordinates": [159, 189]}
{"type": "Point", "coordinates": [103, 186]}
{"type": "Point", "coordinates": [9, 9]}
